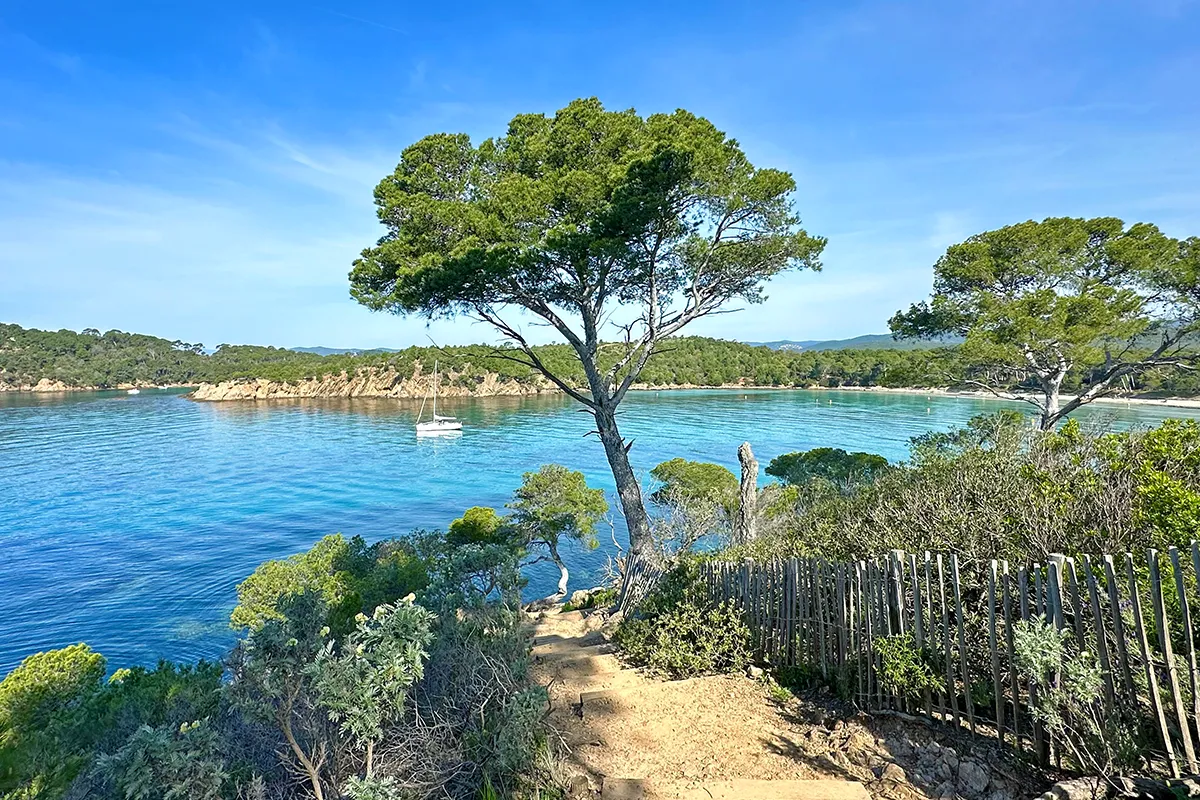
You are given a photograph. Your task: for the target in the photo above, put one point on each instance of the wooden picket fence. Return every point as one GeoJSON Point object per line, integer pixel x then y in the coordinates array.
{"type": "Point", "coordinates": [828, 617]}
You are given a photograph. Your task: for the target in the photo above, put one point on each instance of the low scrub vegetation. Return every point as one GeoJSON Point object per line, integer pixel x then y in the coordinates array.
{"type": "Point", "coordinates": [679, 631]}
{"type": "Point", "coordinates": [998, 489]}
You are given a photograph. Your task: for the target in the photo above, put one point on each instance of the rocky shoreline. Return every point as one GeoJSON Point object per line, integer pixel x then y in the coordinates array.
{"type": "Point", "coordinates": [364, 383]}
{"type": "Point", "coordinates": [51, 386]}
{"type": "Point", "coordinates": [375, 383]}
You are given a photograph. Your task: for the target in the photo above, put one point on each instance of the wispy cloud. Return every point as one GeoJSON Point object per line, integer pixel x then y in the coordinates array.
{"type": "Point", "coordinates": [370, 22]}
{"type": "Point", "coordinates": [263, 49]}
{"type": "Point", "coordinates": [67, 63]}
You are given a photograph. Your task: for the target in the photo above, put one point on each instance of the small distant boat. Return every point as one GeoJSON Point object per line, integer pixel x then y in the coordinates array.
{"type": "Point", "coordinates": [437, 425]}
{"type": "Point", "coordinates": [134, 391]}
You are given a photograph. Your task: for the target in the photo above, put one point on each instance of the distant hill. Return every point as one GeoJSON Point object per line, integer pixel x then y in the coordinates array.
{"type": "Point", "coordinates": [342, 351]}
{"type": "Point", "coordinates": [870, 341]}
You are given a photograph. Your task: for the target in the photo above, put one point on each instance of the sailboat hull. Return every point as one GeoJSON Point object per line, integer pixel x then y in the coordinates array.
{"type": "Point", "coordinates": [438, 427]}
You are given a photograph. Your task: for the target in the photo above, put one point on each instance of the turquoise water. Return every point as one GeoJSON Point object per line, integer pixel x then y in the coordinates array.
{"type": "Point", "coordinates": [127, 521]}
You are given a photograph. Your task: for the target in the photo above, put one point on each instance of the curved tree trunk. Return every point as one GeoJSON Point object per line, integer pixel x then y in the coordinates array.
{"type": "Point", "coordinates": [311, 768]}
{"type": "Point", "coordinates": [628, 489]}
{"type": "Point", "coordinates": [562, 568]}
{"type": "Point", "coordinates": [1051, 412]}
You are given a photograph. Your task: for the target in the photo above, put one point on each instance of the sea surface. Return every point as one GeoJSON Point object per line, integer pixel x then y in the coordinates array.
{"type": "Point", "coordinates": [127, 521]}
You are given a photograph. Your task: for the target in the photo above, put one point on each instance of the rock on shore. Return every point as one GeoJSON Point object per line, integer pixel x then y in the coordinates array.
{"type": "Point", "coordinates": [363, 383]}
{"type": "Point", "coordinates": [51, 386]}
{"type": "Point", "coordinates": [44, 385]}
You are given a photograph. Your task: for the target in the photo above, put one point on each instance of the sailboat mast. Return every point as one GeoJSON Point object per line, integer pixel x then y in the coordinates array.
{"type": "Point", "coordinates": [435, 379]}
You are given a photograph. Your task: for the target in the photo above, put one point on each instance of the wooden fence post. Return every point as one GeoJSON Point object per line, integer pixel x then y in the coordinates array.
{"type": "Point", "coordinates": [993, 645]}
{"type": "Point", "coordinates": [962, 643]}
{"type": "Point", "coordinates": [1151, 678]}
{"type": "Point", "coordinates": [1168, 651]}
{"type": "Point", "coordinates": [951, 686]}
{"type": "Point", "coordinates": [1101, 637]}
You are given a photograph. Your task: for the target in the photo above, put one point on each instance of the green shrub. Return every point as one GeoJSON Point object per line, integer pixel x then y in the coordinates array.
{"type": "Point", "coordinates": [165, 763]}
{"type": "Point", "coordinates": [841, 680]}
{"type": "Point", "coordinates": [1070, 704]}
{"type": "Point", "coordinates": [679, 631]}
{"type": "Point", "coordinates": [904, 670]}
{"type": "Point", "coordinates": [349, 576]}
{"type": "Point", "coordinates": [375, 789]}
{"type": "Point", "coordinates": [45, 720]}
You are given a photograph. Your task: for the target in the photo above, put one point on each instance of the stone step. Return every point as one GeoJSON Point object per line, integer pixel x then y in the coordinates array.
{"type": "Point", "coordinates": [627, 696]}
{"type": "Point", "coordinates": [558, 640]}
{"type": "Point", "coordinates": [548, 634]}
{"type": "Point", "coordinates": [746, 789]}
{"type": "Point", "coordinates": [581, 667]}
{"type": "Point", "coordinates": [553, 614]}
{"type": "Point", "coordinates": [570, 648]}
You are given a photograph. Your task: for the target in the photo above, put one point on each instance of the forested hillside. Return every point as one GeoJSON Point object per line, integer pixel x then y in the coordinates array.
{"type": "Point", "coordinates": [116, 358]}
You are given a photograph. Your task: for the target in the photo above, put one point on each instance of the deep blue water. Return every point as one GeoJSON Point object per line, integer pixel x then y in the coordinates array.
{"type": "Point", "coordinates": [127, 521]}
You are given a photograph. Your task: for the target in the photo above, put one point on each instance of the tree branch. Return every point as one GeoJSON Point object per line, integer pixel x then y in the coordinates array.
{"type": "Point", "coordinates": [512, 333]}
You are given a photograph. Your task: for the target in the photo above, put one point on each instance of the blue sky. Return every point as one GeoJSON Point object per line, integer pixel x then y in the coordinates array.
{"type": "Point", "coordinates": [204, 171]}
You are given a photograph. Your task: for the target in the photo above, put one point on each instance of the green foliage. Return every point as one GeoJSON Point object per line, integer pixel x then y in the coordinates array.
{"type": "Point", "coordinates": [1000, 489]}
{"type": "Point", "coordinates": [274, 680]}
{"type": "Point", "coordinates": [349, 577]}
{"type": "Point", "coordinates": [841, 680]}
{"type": "Point", "coordinates": [166, 763]}
{"type": "Point", "coordinates": [322, 700]}
{"type": "Point", "coordinates": [830, 464]}
{"type": "Point", "coordinates": [678, 630]}
{"type": "Point", "coordinates": [478, 525]}
{"type": "Point", "coordinates": [57, 715]}
{"type": "Point", "coordinates": [261, 595]}
{"type": "Point", "coordinates": [1037, 299]}
{"type": "Point", "coordinates": [1166, 463]}
{"type": "Point", "coordinates": [168, 696]}
{"type": "Point", "coordinates": [358, 788]}
{"type": "Point", "coordinates": [1070, 701]}
{"type": "Point", "coordinates": [44, 733]}
{"type": "Point", "coordinates": [515, 735]}
{"type": "Point", "coordinates": [685, 482]}
{"type": "Point", "coordinates": [779, 694]}
{"type": "Point", "coordinates": [362, 682]}
{"type": "Point", "coordinates": [469, 574]}
{"type": "Point", "coordinates": [600, 598]}
{"type": "Point", "coordinates": [904, 670]}
{"type": "Point", "coordinates": [28, 355]}
{"type": "Point", "coordinates": [554, 212]}
{"type": "Point", "coordinates": [555, 502]}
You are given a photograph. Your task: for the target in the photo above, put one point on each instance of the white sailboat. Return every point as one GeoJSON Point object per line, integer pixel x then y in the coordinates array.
{"type": "Point", "coordinates": [437, 425]}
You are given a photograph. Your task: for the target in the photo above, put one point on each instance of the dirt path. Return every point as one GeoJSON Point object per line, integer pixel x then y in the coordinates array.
{"type": "Point", "coordinates": [635, 737]}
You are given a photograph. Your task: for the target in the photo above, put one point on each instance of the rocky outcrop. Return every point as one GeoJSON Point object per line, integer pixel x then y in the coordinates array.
{"type": "Point", "coordinates": [366, 383]}
{"type": "Point", "coordinates": [44, 385]}
{"type": "Point", "coordinates": [50, 386]}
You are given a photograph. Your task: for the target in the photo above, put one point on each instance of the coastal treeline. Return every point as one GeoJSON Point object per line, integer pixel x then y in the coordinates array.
{"type": "Point", "coordinates": [116, 358]}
